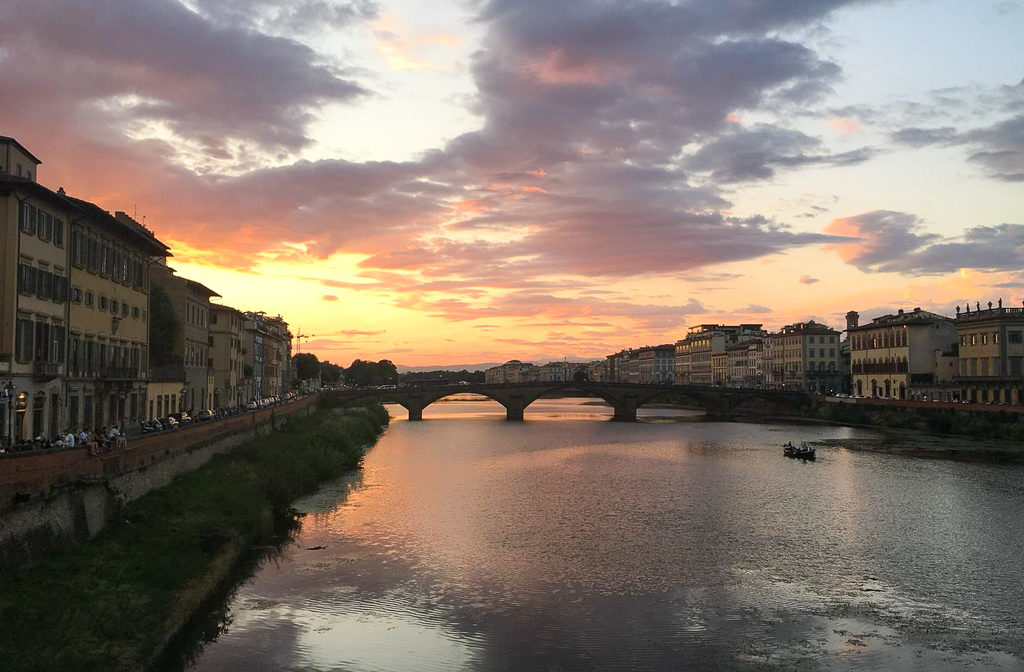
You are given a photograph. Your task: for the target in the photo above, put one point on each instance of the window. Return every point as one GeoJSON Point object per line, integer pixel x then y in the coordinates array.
{"type": "Point", "coordinates": [60, 288]}
{"type": "Point", "coordinates": [104, 260]}
{"type": "Point", "coordinates": [58, 232]}
{"type": "Point", "coordinates": [135, 312]}
{"type": "Point", "coordinates": [26, 279]}
{"type": "Point", "coordinates": [94, 255]}
{"type": "Point", "coordinates": [995, 338]}
{"type": "Point", "coordinates": [77, 247]}
{"type": "Point", "coordinates": [28, 218]}
{"type": "Point", "coordinates": [113, 306]}
{"type": "Point", "coordinates": [23, 340]}
{"type": "Point", "coordinates": [124, 310]}
{"type": "Point", "coordinates": [89, 299]}
{"type": "Point", "coordinates": [1015, 337]}
{"type": "Point", "coordinates": [44, 285]}
{"type": "Point", "coordinates": [44, 221]}
{"type": "Point", "coordinates": [76, 295]}
{"type": "Point", "coordinates": [974, 339]}
{"type": "Point", "coordinates": [104, 303]}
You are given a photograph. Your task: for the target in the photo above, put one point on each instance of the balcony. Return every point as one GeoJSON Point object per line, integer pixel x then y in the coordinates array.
{"type": "Point", "coordinates": [45, 371]}
{"type": "Point", "coordinates": [879, 368]}
{"type": "Point", "coordinates": [118, 373]}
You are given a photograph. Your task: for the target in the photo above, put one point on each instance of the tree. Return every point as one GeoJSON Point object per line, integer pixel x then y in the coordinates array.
{"type": "Point", "coordinates": [307, 366]}
{"type": "Point", "coordinates": [163, 326]}
{"type": "Point", "coordinates": [330, 374]}
{"type": "Point", "coordinates": [364, 373]}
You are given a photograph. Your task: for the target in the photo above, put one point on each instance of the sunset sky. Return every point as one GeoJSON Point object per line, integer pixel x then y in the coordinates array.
{"type": "Point", "coordinates": [461, 182]}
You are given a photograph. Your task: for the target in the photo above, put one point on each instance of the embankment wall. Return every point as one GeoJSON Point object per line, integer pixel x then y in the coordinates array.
{"type": "Point", "coordinates": [56, 498]}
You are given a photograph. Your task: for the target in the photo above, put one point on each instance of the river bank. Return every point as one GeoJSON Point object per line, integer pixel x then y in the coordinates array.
{"type": "Point", "coordinates": [117, 602]}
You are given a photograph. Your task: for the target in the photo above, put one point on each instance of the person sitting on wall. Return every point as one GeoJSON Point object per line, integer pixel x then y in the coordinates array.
{"type": "Point", "coordinates": [117, 439]}
{"type": "Point", "coordinates": [69, 439]}
{"type": "Point", "coordinates": [91, 443]}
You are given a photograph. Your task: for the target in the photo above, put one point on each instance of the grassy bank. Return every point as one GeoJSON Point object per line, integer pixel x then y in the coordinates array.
{"type": "Point", "coordinates": [114, 603]}
{"type": "Point", "coordinates": [1001, 425]}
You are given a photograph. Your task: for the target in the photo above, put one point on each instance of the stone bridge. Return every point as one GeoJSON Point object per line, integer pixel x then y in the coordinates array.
{"type": "Point", "coordinates": [624, 398]}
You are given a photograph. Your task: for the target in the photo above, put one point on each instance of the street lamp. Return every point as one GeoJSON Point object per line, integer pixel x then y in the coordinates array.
{"type": "Point", "coordinates": [9, 393]}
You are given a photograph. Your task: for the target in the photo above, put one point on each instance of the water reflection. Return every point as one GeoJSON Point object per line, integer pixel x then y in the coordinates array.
{"type": "Point", "coordinates": [471, 543]}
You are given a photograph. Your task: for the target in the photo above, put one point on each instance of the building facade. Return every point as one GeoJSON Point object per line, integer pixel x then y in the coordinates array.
{"type": "Point", "coordinates": [108, 347]}
{"type": "Point", "coordinates": [189, 357]}
{"type": "Point", "coordinates": [656, 364]}
{"type": "Point", "coordinates": [512, 371]}
{"type": "Point", "coordinates": [894, 355]}
{"type": "Point", "coordinates": [805, 356]}
{"type": "Point", "coordinates": [226, 334]}
{"type": "Point", "coordinates": [694, 353]}
{"type": "Point", "coordinates": [34, 301]}
{"type": "Point", "coordinates": [991, 354]}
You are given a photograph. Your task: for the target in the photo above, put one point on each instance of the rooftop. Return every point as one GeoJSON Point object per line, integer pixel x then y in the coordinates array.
{"type": "Point", "coordinates": [902, 317]}
{"type": "Point", "coordinates": [6, 139]}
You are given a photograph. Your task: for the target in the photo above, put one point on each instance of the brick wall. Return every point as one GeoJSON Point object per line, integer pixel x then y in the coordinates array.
{"type": "Point", "coordinates": [31, 475]}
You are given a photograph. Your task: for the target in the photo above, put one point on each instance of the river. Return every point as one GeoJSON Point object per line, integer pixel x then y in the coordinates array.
{"type": "Point", "coordinates": [566, 542]}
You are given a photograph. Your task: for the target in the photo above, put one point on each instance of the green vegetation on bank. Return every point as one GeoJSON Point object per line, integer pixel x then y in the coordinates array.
{"type": "Point", "coordinates": [943, 420]}
{"type": "Point", "coordinates": [114, 602]}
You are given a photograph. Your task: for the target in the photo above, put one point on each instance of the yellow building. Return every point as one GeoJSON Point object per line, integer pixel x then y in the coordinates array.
{"type": "Point", "coordinates": [805, 356]}
{"type": "Point", "coordinates": [162, 398]}
{"type": "Point", "coordinates": [991, 354]}
{"type": "Point", "coordinates": [108, 344]}
{"type": "Point", "coordinates": [34, 298]}
{"type": "Point", "coordinates": [894, 354]}
{"type": "Point", "coordinates": [226, 333]}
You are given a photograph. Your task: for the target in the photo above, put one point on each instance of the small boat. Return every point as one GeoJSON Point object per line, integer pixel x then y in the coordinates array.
{"type": "Point", "coordinates": [801, 452]}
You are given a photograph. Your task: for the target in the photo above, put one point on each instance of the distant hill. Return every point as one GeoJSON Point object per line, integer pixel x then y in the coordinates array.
{"type": "Point", "coordinates": [402, 368]}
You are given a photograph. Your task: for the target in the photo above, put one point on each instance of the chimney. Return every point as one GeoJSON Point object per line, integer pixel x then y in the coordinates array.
{"type": "Point", "coordinates": [899, 312]}
{"type": "Point", "coordinates": [852, 320]}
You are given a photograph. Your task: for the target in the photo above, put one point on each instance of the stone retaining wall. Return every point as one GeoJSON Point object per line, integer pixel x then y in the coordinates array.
{"type": "Point", "coordinates": [54, 498]}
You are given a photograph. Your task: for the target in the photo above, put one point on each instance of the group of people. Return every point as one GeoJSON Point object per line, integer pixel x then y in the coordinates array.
{"type": "Point", "coordinates": [97, 441]}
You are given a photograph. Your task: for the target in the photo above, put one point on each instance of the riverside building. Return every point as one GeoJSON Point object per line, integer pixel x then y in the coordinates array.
{"type": "Point", "coordinates": [187, 359]}
{"type": "Point", "coordinates": [108, 347]}
{"type": "Point", "coordinates": [894, 356]}
{"type": "Point", "coordinates": [991, 357]}
{"type": "Point", "coordinates": [226, 355]}
{"type": "Point", "coordinates": [34, 300]}
{"type": "Point", "coordinates": [805, 357]}
{"type": "Point", "coordinates": [694, 354]}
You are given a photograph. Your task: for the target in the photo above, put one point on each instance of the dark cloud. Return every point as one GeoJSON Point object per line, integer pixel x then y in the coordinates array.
{"type": "Point", "coordinates": [119, 62]}
{"type": "Point", "coordinates": [586, 107]}
{"type": "Point", "coordinates": [922, 137]}
{"type": "Point", "coordinates": [1000, 149]}
{"type": "Point", "coordinates": [893, 242]}
{"type": "Point", "coordinates": [756, 153]}
{"type": "Point", "coordinates": [807, 280]}
{"type": "Point", "coordinates": [329, 297]}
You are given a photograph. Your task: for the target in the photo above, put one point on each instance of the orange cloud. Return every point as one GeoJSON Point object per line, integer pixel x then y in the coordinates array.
{"type": "Point", "coordinates": [844, 126]}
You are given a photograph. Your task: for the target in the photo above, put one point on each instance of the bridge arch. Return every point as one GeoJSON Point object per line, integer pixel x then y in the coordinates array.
{"type": "Point", "coordinates": [624, 398]}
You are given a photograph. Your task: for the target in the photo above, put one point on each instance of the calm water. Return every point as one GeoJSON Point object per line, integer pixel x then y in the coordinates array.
{"type": "Point", "coordinates": [570, 543]}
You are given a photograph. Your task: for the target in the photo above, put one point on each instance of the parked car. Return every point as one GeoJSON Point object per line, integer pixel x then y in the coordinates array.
{"type": "Point", "coordinates": [204, 415]}
{"type": "Point", "coordinates": [151, 426]}
{"type": "Point", "coordinates": [252, 406]}
{"type": "Point", "coordinates": [170, 422]}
